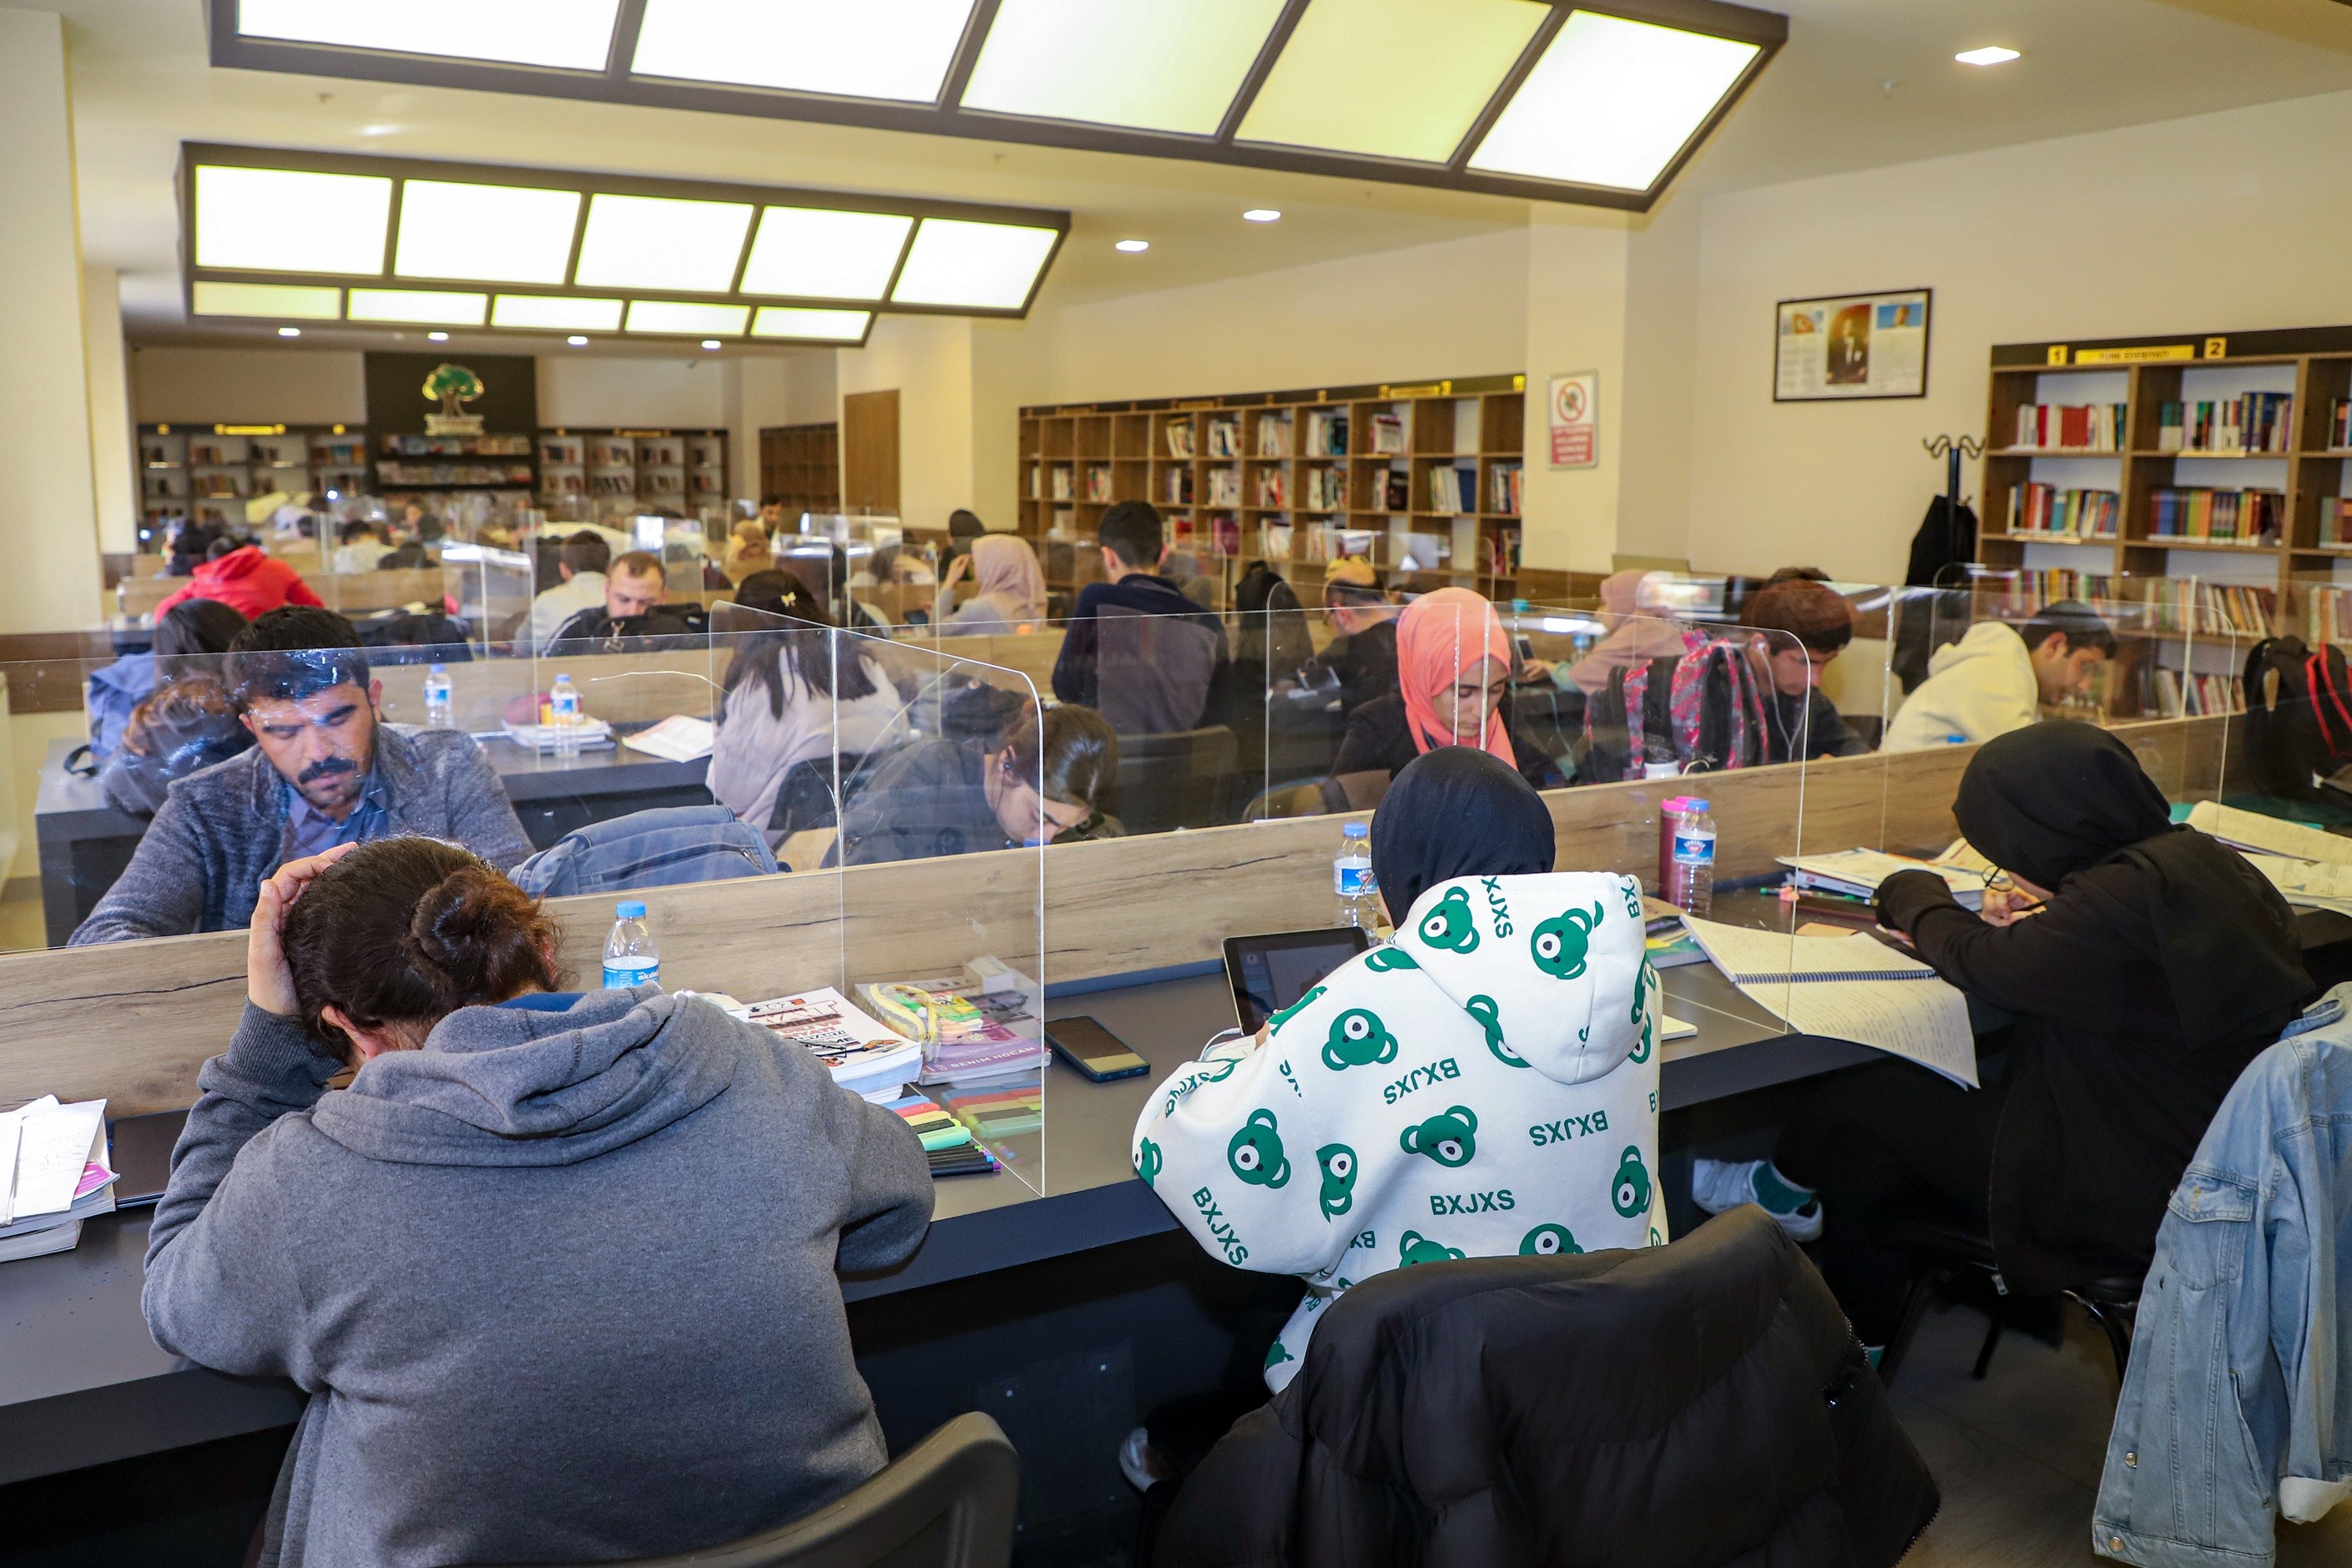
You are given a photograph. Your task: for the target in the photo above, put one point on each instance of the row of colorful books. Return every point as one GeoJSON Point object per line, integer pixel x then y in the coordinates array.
{"type": "Point", "coordinates": [2254, 421]}
{"type": "Point", "coordinates": [2075, 427]}
{"type": "Point", "coordinates": [2218, 609]}
{"type": "Point", "coordinates": [2187, 695]}
{"type": "Point", "coordinates": [1454, 489]}
{"type": "Point", "coordinates": [2244, 516]}
{"type": "Point", "coordinates": [1503, 486]}
{"type": "Point", "coordinates": [2069, 514]}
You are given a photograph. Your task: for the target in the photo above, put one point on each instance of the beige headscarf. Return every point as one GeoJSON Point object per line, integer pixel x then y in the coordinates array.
{"type": "Point", "coordinates": [1007, 572]}
{"type": "Point", "coordinates": [747, 552]}
{"type": "Point", "coordinates": [1633, 639]}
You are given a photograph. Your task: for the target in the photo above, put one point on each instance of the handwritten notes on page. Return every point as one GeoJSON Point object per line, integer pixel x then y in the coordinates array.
{"type": "Point", "coordinates": [1848, 987]}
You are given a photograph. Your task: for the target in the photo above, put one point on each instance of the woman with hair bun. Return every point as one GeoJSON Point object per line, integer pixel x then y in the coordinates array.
{"type": "Point", "coordinates": [548, 1252]}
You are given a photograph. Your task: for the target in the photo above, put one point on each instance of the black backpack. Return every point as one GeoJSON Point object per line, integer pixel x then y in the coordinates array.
{"type": "Point", "coordinates": [2298, 717]}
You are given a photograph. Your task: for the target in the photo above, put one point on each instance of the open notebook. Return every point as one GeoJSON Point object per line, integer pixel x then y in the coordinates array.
{"type": "Point", "coordinates": [1848, 987]}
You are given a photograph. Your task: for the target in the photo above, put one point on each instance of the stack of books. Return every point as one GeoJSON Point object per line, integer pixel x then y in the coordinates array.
{"type": "Point", "coordinates": [866, 1057]}
{"type": "Point", "coordinates": [1327, 489]}
{"type": "Point", "coordinates": [1454, 489]}
{"type": "Point", "coordinates": [1503, 480]}
{"type": "Point", "coordinates": [2072, 427]}
{"type": "Point", "coordinates": [1388, 433]}
{"type": "Point", "coordinates": [1270, 485]}
{"type": "Point", "coordinates": [1224, 438]}
{"type": "Point", "coordinates": [1327, 434]}
{"type": "Point", "coordinates": [973, 1028]}
{"type": "Point", "coordinates": [2047, 511]}
{"type": "Point", "coordinates": [1180, 438]}
{"type": "Point", "coordinates": [53, 1176]}
{"type": "Point", "coordinates": [2256, 421]}
{"type": "Point", "coordinates": [1274, 435]}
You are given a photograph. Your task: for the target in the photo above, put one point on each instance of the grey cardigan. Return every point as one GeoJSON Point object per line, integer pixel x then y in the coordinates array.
{"type": "Point", "coordinates": [221, 829]}
{"type": "Point", "coordinates": [560, 1285]}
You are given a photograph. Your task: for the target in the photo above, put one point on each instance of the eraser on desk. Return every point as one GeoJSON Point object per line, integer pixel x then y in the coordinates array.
{"type": "Point", "coordinates": [994, 976]}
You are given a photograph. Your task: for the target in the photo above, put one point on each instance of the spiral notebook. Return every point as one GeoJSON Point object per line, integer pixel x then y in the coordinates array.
{"type": "Point", "coordinates": [1848, 987]}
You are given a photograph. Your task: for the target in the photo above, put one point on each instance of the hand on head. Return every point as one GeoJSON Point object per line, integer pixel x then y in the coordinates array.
{"type": "Point", "coordinates": [268, 982]}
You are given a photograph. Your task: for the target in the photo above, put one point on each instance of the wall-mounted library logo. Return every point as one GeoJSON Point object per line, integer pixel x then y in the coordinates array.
{"type": "Point", "coordinates": [453, 386]}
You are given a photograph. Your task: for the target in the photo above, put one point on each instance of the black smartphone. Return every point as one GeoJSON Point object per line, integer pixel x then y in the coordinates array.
{"type": "Point", "coordinates": [1093, 1049]}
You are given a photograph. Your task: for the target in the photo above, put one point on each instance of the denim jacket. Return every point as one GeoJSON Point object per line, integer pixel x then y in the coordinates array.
{"type": "Point", "coordinates": [2239, 1397]}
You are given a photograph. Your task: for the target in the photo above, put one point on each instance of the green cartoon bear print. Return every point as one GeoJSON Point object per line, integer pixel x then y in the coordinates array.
{"type": "Point", "coordinates": [1255, 1152]}
{"type": "Point", "coordinates": [1631, 1192]}
{"type": "Point", "coordinates": [1490, 1019]}
{"type": "Point", "coordinates": [1387, 956]}
{"type": "Point", "coordinates": [1547, 1241]}
{"type": "Point", "coordinates": [1148, 1162]}
{"type": "Point", "coordinates": [1560, 943]}
{"type": "Point", "coordinates": [1358, 1038]}
{"type": "Point", "coordinates": [1414, 1248]}
{"type": "Point", "coordinates": [1338, 1194]}
{"type": "Point", "coordinates": [1275, 1355]}
{"type": "Point", "coordinates": [1451, 1138]}
{"type": "Point", "coordinates": [1274, 1023]}
{"type": "Point", "coordinates": [1448, 926]}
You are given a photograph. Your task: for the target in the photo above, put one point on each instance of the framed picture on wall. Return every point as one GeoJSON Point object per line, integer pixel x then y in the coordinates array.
{"type": "Point", "coordinates": [1852, 346]}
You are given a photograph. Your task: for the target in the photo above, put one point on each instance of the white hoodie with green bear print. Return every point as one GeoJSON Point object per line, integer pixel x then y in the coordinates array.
{"type": "Point", "coordinates": [1485, 1085]}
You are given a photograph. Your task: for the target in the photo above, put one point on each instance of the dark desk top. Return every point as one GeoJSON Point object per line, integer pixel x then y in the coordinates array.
{"type": "Point", "coordinates": [83, 1383]}
{"type": "Point", "coordinates": [71, 805]}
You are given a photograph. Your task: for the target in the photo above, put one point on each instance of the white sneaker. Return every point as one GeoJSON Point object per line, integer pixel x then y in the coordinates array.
{"type": "Point", "coordinates": [1719, 1184]}
{"type": "Point", "coordinates": [1141, 1463]}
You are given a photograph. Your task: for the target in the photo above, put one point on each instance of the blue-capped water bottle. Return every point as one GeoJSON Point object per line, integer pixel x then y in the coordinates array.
{"type": "Point", "coordinates": [1353, 886]}
{"type": "Point", "coordinates": [632, 958]}
{"type": "Point", "coordinates": [439, 704]}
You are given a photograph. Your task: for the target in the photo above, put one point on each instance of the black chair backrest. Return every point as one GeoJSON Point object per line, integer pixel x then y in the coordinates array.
{"type": "Point", "coordinates": [1181, 780]}
{"type": "Point", "coordinates": [806, 800]}
{"type": "Point", "coordinates": [947, 1503]}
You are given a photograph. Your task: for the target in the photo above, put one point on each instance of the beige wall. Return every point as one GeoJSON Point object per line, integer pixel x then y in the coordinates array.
{"type": "Point", "coordinates": [595, 393]}
{"type": "Point", "coordinates": [113, 475]}
{"type": "Point", "coordinates": [1575, 315]}
{"type": "Point", "coordinates": [248, 386]}
{"type": "Point", "coordinates": [48, 502]}
{"type": "Point", "coordinates": [941, 424]}
{"type": "Point", "coordinates": [2213, 224]}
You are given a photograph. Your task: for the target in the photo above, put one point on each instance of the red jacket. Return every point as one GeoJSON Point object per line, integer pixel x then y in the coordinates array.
{"type": "Point", "coordinates": [247, 582]}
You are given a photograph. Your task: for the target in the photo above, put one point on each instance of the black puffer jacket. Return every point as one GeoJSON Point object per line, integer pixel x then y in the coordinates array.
{"type": "Point", "coordinates": [1698, 1404]}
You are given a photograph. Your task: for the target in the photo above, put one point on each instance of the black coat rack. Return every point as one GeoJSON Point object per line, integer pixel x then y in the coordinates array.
{"type": "Point", "coordinates": [1951, 449]}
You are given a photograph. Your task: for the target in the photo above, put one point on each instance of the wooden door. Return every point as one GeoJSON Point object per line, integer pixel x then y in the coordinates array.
{"type": "Point", "coordinates": [869, 452]}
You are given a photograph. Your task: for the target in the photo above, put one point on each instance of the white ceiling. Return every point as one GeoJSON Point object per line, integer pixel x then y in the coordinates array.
{"type": "Point", "coordinates": [142, 84]}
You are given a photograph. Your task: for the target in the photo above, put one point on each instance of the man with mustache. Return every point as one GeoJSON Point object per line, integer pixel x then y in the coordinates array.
{"type": "Point", "coordinates": [324, 770]}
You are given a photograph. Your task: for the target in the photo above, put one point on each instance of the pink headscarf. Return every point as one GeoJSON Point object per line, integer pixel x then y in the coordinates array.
{"type": "Point", "coordinates": [1439, 636]}
{"type": "Point", "coordinates": [1007, 572]}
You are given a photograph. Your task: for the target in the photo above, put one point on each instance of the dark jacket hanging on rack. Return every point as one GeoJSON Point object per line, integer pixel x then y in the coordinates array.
{"type": "Point", "coordinates": [1946, 539]}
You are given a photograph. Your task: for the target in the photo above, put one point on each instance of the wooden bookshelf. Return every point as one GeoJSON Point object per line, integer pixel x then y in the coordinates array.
{"type": "Point", "coordinates": [800, 464]}
{"type": "Point", "coordinates": [1295, 478]}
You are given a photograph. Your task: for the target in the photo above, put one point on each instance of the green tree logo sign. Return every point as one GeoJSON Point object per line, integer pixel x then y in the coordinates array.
{"type": "Point", "coordinates": [452, 386]}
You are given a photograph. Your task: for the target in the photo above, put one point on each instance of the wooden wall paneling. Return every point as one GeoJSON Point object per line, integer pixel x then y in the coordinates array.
{"type": "Point", "coordinates": [134, 1025]}
{"type": "Point", "coordinates": [869, 452]}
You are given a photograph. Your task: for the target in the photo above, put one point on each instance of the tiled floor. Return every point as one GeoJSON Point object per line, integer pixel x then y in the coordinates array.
{"type": "Point", "coordinates": [2018, 1455]}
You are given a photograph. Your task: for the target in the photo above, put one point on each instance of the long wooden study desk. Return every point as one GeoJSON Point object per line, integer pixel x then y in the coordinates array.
{"type": "Point", "coordinates": [83, 1384]}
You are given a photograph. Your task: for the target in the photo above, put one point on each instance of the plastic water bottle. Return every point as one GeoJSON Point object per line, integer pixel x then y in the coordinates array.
{"type": "Point", "coordinates": [440, 707]}
{"type": "Point", "coordinates": [1353, 886]}
{"type": "Point", "coordinates": [564, 716]}
{"type": "Point", "coordinates": [1690, 881]}
{"type": "Point", "coordinates": [632, 958]}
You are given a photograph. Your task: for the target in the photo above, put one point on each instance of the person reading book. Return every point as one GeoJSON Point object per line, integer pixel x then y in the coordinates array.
{"type": "Point", "coordinates": [547, 1253]}
{"type": "Point", "coordinates": [2146, 965]}
{"type": "Point", "coordinates": [1999, 677]}
{"type": "Point", "coordinates": [1814, 624]}
{"type": "Point", "coordinates": [1506, 1041]}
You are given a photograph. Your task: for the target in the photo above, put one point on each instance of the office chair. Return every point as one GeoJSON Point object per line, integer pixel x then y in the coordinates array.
{"type": "Point", "coordinates": [947, 1503]}
{"type": "Point", "coordinates": [804, 800]}
{"type": "Point", "coordinates": [1174, 780]}
{"type": "Point", "coordinates": [1942, 1249]}
{"type": "Point", "coordinates": [1302, 798]}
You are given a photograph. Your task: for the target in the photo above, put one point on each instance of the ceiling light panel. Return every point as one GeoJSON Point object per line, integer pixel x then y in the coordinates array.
{"type": "Point", "coordinates": [1389, 79]}
{"type": "Point", "coordinates": [688, 318]}
{"type": "Point", "coordinates": [978, 266]}
{"type": "Point", "coordinates": [278, 300]}
{"type": "Point", "coordinates": [430, 306]}
{"type": "Point", "coordinates": [1612, 102]}
{"type": "Point", "coordinates": [1150, 65]}
{"type": "Point", "coordinates": [661, 242]}
{"type": "Point", "coordinates": [819, 326]}
{"type": "Point", "coordinates": [291, 220]}
{"type": "Point", "coordinates": [541, 312]}
{"type": "Point", "coordinates": [844, 48]}
{"type": "Point", "coordinates": [569, 35]}
{"type": "Point", "coordinates": [499, 234]}
{"type": "Point", "coordinates": [820, 255]}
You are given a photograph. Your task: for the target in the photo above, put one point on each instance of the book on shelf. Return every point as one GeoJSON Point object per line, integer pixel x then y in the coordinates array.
{"type": "Point", "coordinates": [1327, 434]}
{"type": "Point", "coordinates": [1503, 481]}
{"type": "Point", "coordinates": [2328, 615]}
{"type": "Point", "coordinates": [1179, 487]}
{"type": "Point", "coordinates": [1099, 482]}
{"type": "Point", "coordinates": [1224, 438]}
{"type": "Point", "coordinates": [1395, 491]}
{"type": "Point", "coordinates": [2179, 694]}
{"type": "Point", "coordinates": [2216, 608]}
{"type": "Point", "coordinates": [1061, 482]}
{"type": "Point", "coordinates": [2335, 522]}
{"type": "Point", "coordinates": [1454, 489]}
{"type": "Point", "coordinates": [2038, 508]}
{"type": "Point", "coordinates": [2256, 421]}
{"type": "Point", "coordinates": [1274, 540]}
{"type": "Point", "coordinates": [2073, 428]}
{"type": "Point", "coordinates": [1272, 436]}
{"type": "Point", "coordinates": [1272, 483]}
{"type": "Point", "coordinates": [1180, 438]}
{"type": "Point", "coordinates": [2339, 425]}
{"type": "Point", "coordinates": [1225, 536]}
{"type": "Point", "coordinates": [1387, 434]}
{"type": "Point", "coordinates": [1225, 487]}
{"type": "Point", "coordinates": [1327, 489]}
{"type": "Point", "coordinates": [2246, 516]}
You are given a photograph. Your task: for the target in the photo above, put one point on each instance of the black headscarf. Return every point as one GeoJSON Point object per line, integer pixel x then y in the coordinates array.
{"type": "Point", "coordinates": [2058, 798]}
{"type": "Point", "coordinates": [1455, 810]}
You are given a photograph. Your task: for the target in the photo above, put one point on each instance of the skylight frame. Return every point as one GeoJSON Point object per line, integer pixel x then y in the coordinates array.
{"type": "Point", "coordinates": [948, 116]}
{"type": "Point", "coordinates": [193, 155]}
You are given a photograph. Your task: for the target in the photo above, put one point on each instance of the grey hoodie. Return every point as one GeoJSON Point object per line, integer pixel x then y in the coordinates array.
{"type": "Point", "coordinates": [559, 1284]}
